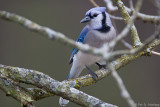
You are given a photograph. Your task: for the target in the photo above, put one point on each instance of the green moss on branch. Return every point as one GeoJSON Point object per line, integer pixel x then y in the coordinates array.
{"type": "Point", "coordinates": [127, 20]}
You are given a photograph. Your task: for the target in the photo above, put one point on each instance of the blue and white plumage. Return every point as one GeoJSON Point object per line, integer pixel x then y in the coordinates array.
{"type": "Point", "coordinates": [97, 33]}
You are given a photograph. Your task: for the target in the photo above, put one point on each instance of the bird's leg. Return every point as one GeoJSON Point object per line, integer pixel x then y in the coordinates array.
{"type": "Point", "coordinates": [101, 66]}
{"type": "Point", "coordinates": [94, 75]}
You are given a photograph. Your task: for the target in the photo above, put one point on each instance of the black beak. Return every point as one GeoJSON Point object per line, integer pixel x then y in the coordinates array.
{"type": "Point", "coordinates": [86, 19]}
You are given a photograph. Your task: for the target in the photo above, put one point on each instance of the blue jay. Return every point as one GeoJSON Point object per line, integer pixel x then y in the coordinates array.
{"type": "Point", "coordinates": [97, 33]}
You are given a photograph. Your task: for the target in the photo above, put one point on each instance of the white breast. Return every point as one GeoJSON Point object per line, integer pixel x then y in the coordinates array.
{"type": "Point", "coordinates": [95, 39]}
{"type": "Point", "coordinates": [86, 59]}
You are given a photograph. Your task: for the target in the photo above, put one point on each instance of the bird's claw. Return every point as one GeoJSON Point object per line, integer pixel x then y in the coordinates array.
{"type": "Point", "coordinates": [101, 66]}
{"type": "Point", "coordinates": [94, 75]}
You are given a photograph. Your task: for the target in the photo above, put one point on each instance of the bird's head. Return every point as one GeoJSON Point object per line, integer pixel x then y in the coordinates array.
{"type": "Point", "coordinates": [96, 17]}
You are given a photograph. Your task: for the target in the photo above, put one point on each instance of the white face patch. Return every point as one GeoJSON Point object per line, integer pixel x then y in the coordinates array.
{"type": "Point", "coordinates": [96, 21]}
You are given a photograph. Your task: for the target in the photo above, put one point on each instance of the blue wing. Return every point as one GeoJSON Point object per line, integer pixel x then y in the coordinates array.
{"type": "Point", "coordinates": [81, 40]}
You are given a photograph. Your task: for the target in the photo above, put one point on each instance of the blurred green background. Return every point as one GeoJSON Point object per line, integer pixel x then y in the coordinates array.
{"type": "Point", "coordinates": [22, 48]}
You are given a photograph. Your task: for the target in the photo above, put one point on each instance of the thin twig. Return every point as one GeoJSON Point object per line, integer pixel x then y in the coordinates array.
{"type": "Point", "coordinates": [131, 5]}
{"type": "Point", "coordinates": [142, 16]}
{"type": "Point", "coordinates": [145, 17]}
{"type": "Point", "coordinates": [115, 17]}
{"type": "Point", "coordinates": [110, 7]}
{"type": "Point", "coordinates": [124, 93]}
{"type": "Point", "coordinates": [155, 53]}
{"type": "Point", "coordinates": [123, 33]}
{"type": "Point", "coordinates": [94, 3]}
{"type": "Point", "coordinates": [136, 50]}
{"type": "Point", "coordinates": [126, 44]}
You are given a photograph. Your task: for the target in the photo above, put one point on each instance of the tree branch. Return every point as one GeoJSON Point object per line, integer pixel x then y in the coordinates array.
{"type": "Point", "coordinates": [145, 17]}
{"type": "Point", "coordinates": [142, 47]}
{"type": "Point", "coordinates": [127, 20]}
{"type": "Point", "coordinates": [17, 92]}
{"type": "Point", "coordinates": [125, 31]}
{"type": "Point", "coordinates": [51, 34]}
{"type": "Point", "coordinates": [124, 93]}
{"type": "Point", "coordinates": [155, 53]}
{"type": "Point", "coordinates": [109, 5]}
{"type": "Point", "coordinates": [38, 93]}
{"type": "Point", "coordinates": [47, 83]}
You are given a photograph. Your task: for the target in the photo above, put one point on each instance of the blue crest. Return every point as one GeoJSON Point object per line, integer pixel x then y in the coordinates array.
{"type": "Point", "coordinates": [102, 9]}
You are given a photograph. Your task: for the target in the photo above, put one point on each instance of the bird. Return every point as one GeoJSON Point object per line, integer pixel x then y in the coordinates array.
{"type": "Point", "coordinates": [97, 33]}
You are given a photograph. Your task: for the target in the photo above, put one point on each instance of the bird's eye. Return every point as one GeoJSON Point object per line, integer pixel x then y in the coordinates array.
{"type": "Point", "coordinates": [95, 15]}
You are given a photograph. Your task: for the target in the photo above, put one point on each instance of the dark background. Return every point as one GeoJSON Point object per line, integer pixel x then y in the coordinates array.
{"type": "Point", "coordinates": [23, 48]}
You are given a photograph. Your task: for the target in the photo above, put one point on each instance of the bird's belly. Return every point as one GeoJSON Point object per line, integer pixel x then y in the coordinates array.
{"type": "Point", "coordinates": [86, 59]}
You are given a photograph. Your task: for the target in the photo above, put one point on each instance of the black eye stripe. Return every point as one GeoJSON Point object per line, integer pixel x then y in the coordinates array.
{"type": "Point", "coordinates": [95, 15]}
{"type": "Point", "coordinates": [92, 16]}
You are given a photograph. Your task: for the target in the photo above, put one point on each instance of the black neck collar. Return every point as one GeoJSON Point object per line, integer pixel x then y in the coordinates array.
{"type": "Point", "coordinates": [105, 28]}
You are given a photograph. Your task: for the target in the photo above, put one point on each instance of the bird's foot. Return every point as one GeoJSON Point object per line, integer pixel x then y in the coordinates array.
{"type": "Point", "coordinates": [94, 75]}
